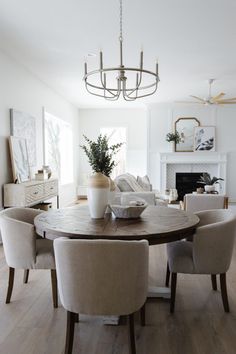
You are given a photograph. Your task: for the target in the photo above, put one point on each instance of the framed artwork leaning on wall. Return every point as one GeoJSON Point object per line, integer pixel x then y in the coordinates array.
{"type": "Point", "coordinates": [23, 125]}
{"type": "Point", "coordinates": [204, 138]}
{"type": "Point", "coordinates": [19, 159]}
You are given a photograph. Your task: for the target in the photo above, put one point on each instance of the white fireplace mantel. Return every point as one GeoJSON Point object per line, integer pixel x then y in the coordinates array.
{"type": "Point", "coordinates": [214, 163]}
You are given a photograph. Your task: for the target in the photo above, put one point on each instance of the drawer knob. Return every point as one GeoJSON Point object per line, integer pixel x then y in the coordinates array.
{"type": "Point", "coordinates": [35, 192]}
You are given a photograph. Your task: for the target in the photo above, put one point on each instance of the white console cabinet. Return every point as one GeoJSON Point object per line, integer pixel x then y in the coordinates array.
{"type": "Point", "coordinates": [30, 193]}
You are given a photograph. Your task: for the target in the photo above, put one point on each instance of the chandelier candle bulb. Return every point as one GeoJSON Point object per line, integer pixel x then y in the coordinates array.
{"type": "Point", "coordinates": [101, 60]}
{"type": "Point", "coordinates": [85, 68]}
{"type": "Point", "coordinates": [141, 59]}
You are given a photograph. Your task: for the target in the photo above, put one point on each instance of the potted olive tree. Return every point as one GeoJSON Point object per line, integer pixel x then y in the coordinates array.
{"type": "Point", "coordinates": [101, 159]}
{"type": "Point", "coordinates": [209, 183]}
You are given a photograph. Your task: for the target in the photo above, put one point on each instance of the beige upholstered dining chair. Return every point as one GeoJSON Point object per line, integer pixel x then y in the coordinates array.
{"type": "Point", "coordinates": [197, 202]}
{"type": "Point", "coordinates": [210, 252]}
{"type": "Point", "coordinates": [101, 277]}
{"type": "Point", "coordinates": [22, 248]}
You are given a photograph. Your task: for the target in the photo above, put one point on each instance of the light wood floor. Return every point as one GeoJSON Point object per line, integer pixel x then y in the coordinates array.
{"type": "Point", "coordinates": [30, 325]}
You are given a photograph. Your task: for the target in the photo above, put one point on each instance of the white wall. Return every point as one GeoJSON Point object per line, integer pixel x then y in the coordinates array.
{"type": "Point", "coordinates": [21, 90]}
{"type": "Point", "coordinates": [161, 118]}
{"type": "Point", "coordinates": [135, 120]}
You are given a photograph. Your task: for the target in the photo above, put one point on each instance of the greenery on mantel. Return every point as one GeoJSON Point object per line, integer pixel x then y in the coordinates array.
{"type": "Point", "coordinates": [173, 137]}
{"type": "Point", "coordinates": [100, 154]}
{"type": "Point", "coordinates": [207, 180]}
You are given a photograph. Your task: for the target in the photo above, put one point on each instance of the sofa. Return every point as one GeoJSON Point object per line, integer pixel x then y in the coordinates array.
{"type": "Point", "coordinates": [129, 188]}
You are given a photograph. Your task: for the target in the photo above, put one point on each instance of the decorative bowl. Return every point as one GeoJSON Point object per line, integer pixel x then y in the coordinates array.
{"type": "Point", "coordinates": [127, 211]}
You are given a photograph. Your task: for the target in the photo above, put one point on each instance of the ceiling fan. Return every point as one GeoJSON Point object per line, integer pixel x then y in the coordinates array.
{"type": "Point", "coordinates": [218, 99]}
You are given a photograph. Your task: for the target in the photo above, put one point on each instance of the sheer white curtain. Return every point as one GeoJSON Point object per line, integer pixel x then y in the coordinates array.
{"type": "Point", "coordinates": [58, 147]}
{"type": "Point", "coordinates": [117, 135]}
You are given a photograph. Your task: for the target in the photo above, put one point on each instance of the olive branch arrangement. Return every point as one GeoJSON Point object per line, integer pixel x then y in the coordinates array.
{"type": "Point", "coordinates": [173, 137]}
{"type": "Point", "coordinates": [100, 154]}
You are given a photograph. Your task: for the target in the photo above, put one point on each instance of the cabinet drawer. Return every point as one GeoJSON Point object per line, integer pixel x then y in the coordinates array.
{"type": "Point", "coordinates": [51, 188]}
{"type": "Point", "coordinates": [34, 193]}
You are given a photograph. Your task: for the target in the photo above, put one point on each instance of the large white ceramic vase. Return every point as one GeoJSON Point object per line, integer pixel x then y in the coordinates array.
{"type": "Point", "coordinates": [98, 194]}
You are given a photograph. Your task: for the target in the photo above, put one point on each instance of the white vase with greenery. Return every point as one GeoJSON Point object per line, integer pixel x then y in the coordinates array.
{"type": "Point", "coordinates": [98, 194]}
{"type": "Point", "coordinates": [100, 187]}
{"type": "Point", "coordinates": [174, 139]}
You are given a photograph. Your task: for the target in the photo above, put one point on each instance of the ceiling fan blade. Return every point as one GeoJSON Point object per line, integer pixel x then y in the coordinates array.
{"type": "Point", "coordinates": [192, 102]}
{"type": "Point", "coordinates": [198, 98]}
{"type": "Point", "coordinates": [226, 102]}
{"type": "Point", "coordinates": [215, 98]}
{"type": "Point", "coordinates": [229, 99]}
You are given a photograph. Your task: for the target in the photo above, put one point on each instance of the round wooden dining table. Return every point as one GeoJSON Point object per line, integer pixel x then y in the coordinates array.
{"type": "Point", "coordinates": [156, 224]}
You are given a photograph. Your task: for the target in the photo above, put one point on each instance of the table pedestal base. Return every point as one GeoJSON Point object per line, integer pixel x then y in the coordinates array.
{"type": "Point", "coordinates": [158, 292]}
{"type": "Point", "coordinates": [111, 320]}
{"type": "Point", "coordinates": [154, 292]}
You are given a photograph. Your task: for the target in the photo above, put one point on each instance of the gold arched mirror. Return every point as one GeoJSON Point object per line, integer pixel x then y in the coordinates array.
{"type": "Point", "coordinates": [185, 127]}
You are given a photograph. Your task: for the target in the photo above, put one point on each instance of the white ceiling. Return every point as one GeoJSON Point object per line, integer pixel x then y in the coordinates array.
{"type": "Point", "coordinates": [193, 40]}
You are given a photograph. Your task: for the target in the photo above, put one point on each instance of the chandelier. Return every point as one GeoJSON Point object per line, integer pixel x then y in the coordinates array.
{"type": "Point", "coordinates": [101, 82]}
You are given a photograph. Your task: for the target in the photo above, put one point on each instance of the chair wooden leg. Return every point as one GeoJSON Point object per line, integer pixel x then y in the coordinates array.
{"type": "Point", "coordinates": [26, 276]}
{"type": "Point", "coordinates": [167, 274]}
{"type": "Point", "coordinates": [70, 332]}
{"type": "Point", "coordinates": [224, 292]}
{"type": "Point", "coordinates": [143, 315]}
{"type": "Point", "coordinates": [54, 287]}
{"type": "Point", "coordinates": [173, 291]}
{"type": "Point", "coordinates": [214, 281]}
{"type": "Point", "coordinates": [10, 284]}
{"type": "Point", "coordinates": [132, 334]}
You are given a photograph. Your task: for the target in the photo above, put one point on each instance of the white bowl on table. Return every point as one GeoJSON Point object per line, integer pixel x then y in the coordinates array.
{"type": "Point", "coordinates": [131, 211]}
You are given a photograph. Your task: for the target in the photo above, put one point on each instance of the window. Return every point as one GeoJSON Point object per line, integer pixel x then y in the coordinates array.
{"type": "Point", "coordinates": [58, 147]}
{"type": "Point", "coordinates": [117, 135]}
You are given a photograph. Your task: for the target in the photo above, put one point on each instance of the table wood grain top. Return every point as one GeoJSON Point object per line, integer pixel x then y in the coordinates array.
{"type": "Point", "coordinates": [156, 224]}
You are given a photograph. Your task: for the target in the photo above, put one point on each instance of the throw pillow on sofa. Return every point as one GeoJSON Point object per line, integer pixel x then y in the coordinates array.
{"type": "Point", "coordinates": [144, 182]}
{"type": "Point", "coordinates": [128, 183]}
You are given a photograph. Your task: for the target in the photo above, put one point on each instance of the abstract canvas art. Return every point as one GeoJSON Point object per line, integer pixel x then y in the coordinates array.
{"type": "Point", "coordinates": [19, 159]}
{"type": "Point", "coordinates": [23, 125]}
{"type": "Point", "coordinates": [204, 139]}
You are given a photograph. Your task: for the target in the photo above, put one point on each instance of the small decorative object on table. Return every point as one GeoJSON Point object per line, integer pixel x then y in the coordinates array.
{"type": "Point", "coordinates": [44, 173]}
{"type": "Point", "coordinates": [48, 170]}
{"type": "Point", "coordinates": [41, 175]}
{"type": "Point", "coordinates": [209, 183]}
{"type": "Point", "coordinates": [131, 211]}
{"type": "Point", "coordinates": [200, 190]}
{"type": "Point", "coordinates": [101, 188]}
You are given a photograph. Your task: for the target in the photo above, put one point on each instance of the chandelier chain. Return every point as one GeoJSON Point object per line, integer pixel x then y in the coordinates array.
{"type": "Point", "coordinates": [121, 24]}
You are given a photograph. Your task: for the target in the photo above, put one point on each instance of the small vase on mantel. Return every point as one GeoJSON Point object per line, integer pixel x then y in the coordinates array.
{"type": "Point", "coordinates": [98, 194]}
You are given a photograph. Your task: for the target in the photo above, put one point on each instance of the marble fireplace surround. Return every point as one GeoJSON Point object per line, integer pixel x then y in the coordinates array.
{"type": "Point", "coordinates": [172, 162]}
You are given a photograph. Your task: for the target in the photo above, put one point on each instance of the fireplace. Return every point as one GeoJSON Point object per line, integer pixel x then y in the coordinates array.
{"type": "Point", "coordinates": [171, 163]}
{"type": "Point", "coordinates": [187, 182]}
